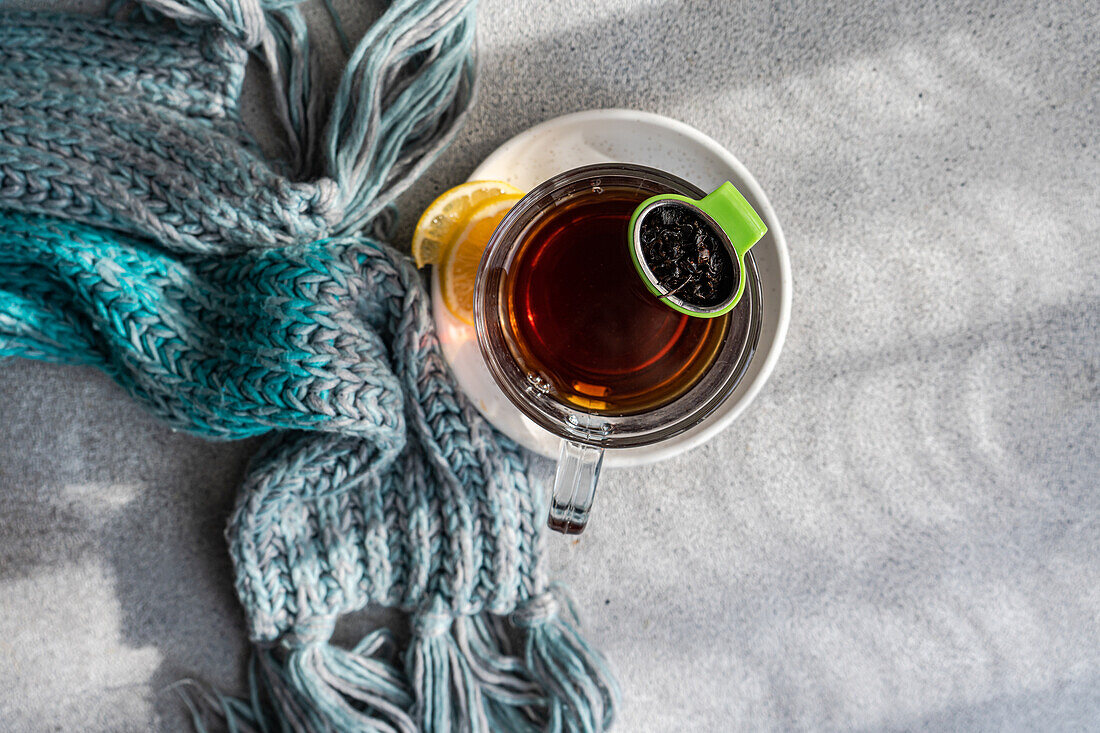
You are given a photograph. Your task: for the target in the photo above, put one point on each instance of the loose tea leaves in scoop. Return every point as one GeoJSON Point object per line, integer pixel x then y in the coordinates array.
{"type": "Point", "coordinates": [686, 257]}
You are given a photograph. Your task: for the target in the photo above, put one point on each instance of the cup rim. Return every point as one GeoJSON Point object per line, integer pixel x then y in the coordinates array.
{"type": "Point", "coordinates": [572, 423]}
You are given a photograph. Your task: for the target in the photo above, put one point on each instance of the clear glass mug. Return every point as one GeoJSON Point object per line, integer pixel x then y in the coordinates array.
{"type": "Point", "coordinates": [587, 434]}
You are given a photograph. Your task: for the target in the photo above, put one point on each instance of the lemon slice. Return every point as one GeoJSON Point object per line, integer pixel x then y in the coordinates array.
{"type": "Point", "coordinates": [459, 271]}
{"type": "Point", "coordinates": [444, 218]}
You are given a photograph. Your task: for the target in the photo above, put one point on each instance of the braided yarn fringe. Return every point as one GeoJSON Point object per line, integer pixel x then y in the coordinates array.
{"type": "Point", "coordinates": [459, 675]}
{"type": "Point", "coordinates": [142, 232]}
{"type": "Point", "coordinates": [468, 678]}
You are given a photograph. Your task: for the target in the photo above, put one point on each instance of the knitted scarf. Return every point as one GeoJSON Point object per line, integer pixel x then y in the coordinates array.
{"type": "Point", "coordinates": [143, 232]}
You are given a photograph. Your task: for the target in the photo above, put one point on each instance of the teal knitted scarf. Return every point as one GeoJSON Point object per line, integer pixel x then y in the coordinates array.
{"type": "Point", "coordinates": [143, 232]}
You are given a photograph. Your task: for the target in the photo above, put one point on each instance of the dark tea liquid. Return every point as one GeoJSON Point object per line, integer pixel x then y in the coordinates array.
{"type": "Point", "coordinates": [581, 320]}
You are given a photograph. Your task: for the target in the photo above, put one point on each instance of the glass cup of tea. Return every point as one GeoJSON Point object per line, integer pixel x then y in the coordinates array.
{"type": "Point", "coordinates": [577, 342]}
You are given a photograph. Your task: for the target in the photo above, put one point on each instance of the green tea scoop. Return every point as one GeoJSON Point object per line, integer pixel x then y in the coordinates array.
{"type": "Point", "coordinates": [691, 253]}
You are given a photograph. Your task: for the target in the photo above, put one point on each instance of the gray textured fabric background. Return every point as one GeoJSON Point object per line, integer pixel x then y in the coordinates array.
{"type": "Point", "coordinates": [902, 532]}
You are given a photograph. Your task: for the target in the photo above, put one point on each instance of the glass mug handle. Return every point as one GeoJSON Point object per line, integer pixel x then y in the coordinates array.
{"type": "Point", "coordinates": [574, 486]}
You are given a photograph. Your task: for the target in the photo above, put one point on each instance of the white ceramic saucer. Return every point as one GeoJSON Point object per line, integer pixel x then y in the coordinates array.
{"type": "Point", "coordinates": [624, 136]}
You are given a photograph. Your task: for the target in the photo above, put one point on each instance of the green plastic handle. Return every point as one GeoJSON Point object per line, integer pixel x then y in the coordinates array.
{"type": "Point", "coordinates": [733, 214]}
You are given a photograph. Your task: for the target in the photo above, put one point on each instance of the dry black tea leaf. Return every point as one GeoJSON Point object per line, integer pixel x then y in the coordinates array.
{"type": "Point", "coordinates": [686, 257]}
